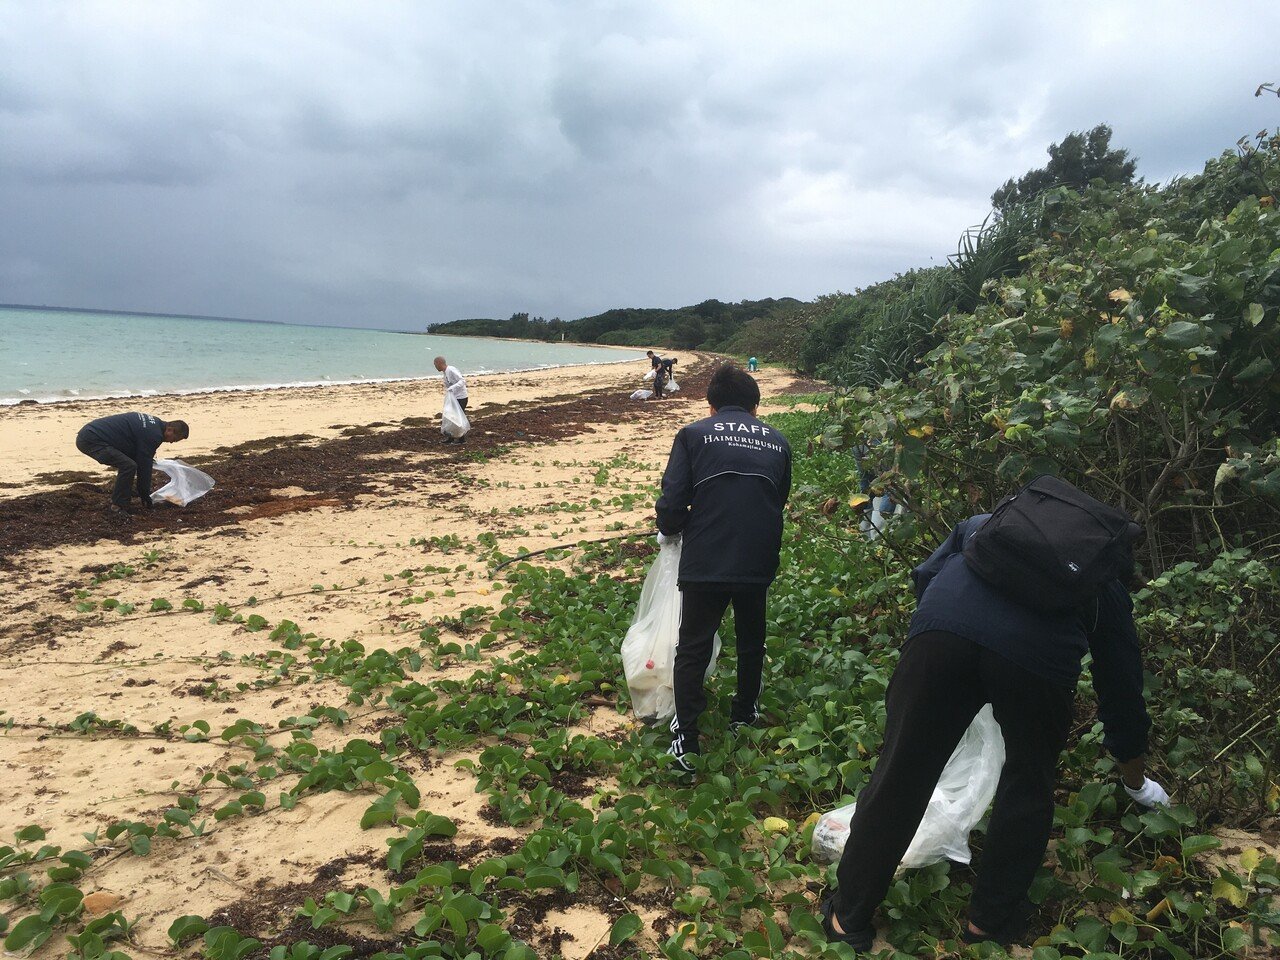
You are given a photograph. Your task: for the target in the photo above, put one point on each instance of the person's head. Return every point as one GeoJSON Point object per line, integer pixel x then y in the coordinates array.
{"type": "Point", "coordinates": [176, 430]}
{"type": "Point", "coordinates": [649, 354]}
{"type": "Point", "coordinates": [440, 364]}
{"type": "Point", "coordinates": [732, 386]}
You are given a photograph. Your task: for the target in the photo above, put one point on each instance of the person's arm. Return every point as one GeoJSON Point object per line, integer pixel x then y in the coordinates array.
{"type": "Point", "coordinates": [677, 490]}
{"type": "Point", "coordinates": [786, 479]}
{"type": "Point", "coordinates": [1117, 680]}
{"type": "Point", "coordinates": [922, 575]}
{"type": "Point", "coordinates": [1117, 675]}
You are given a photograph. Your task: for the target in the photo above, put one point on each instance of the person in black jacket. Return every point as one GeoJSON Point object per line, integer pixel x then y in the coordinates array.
{"type": "Point", "coordinates": [128, 442]}
{"type": "Point", "coordinates": [970, 644]}
{"type": "Point", "coordinates": [723, 491]}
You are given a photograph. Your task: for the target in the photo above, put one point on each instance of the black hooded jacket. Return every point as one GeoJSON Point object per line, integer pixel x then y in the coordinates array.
{"type": "Point", "coordinates": [136, 435]}
{"type": "Point", "coordinates": [724, 488]}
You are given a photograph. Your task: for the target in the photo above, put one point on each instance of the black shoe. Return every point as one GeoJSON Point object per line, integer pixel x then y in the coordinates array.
{"type": "Point", "coordinates": [1013, 930]}
{"type": "Point", "coordinates": [119, 514]}
{"type": "Point", "coordinates": [740, 723]}
{"type": "Point", "coordinates": [860, 940]}
{"type": "Point", "coordinates": [683, 752]}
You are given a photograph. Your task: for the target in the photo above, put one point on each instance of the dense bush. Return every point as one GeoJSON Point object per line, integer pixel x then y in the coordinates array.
{"type": "Point", "coordinates": [710, 325]}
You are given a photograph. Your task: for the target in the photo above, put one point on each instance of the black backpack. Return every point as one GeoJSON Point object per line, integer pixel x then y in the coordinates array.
{"type": "Point", "coordinates": [1050, 546]}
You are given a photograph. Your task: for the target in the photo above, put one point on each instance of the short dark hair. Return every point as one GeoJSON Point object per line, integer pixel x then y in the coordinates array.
{"type": "Point", "coordinates": [732, 386]}
{"type": "Point", "coordinates": [648, 353]}
{"type": "Point", "coordinates": [180, 426]}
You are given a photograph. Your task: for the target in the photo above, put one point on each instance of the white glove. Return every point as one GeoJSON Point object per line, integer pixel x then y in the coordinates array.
{"type": "Point", "coordinates": [663, 539]}
{"type": "Point", "coordinates": [1150, 794]}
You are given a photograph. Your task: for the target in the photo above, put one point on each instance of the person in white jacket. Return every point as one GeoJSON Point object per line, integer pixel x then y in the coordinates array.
{"type": "Point", "coordinates": [455, 386]}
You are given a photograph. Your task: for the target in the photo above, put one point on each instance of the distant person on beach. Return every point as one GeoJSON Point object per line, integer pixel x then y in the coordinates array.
{"type": "Point", "coordinates": [662, 375]}
{"type": "Point", "coordinates": [454, 385]}
{"type": "Point", "coordinates": [128, 442]}
{"type": "Point", "coordinates": [753, 364]}
{"type": "Point", "coordinates": [723, 491]}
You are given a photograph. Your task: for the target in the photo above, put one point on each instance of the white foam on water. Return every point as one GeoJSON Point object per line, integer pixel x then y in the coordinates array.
{"type": "Point", "coordinates": [246, 387]}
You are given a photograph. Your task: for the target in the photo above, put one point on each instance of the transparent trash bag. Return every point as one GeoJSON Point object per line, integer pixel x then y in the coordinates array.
{"type": "Point", "coordinates": [642, 395]}
{"type": "Point", "coordinates": [453, 419]}
{"type": "Point", "coordinates": [186, 483]}
{"type": "Point", "coordinates": [650, 375]}
{"type": "Point", "coordinates": [670, 386]}
{"type": "Point", "coordinates": [649, 650]}
{"type": "Point", "coordinates": [964, 791]}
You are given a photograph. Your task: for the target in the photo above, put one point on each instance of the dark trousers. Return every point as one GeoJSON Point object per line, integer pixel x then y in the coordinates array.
{"type": "Point", "coordinates": [463, 402]}
{"type": "Point", "coordinates": [126, 469]}
{"type": "Point", "coordinates": [940, 684]}
{"type": "Point", "coordinates": [701, 613]}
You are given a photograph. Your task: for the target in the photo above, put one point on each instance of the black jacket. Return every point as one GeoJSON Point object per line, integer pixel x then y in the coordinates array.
{"type": "Point", "coordinates": [726, 482]}
{"type": "Point", "coordinates": [955, 599]}
{"type": "Point", "coordinates": [136, 435]}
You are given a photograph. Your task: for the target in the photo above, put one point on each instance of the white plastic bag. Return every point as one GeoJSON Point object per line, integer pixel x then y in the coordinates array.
{"type": "Point", "coordinates": [186, 483]}
{"type": "Point", "coordinates": [649, 650]}
{"type": "Point", "coordinates": [670, 386]}
{"type": "Point", "coordinates": [963, 793]}
{"type": "Point", "coordinates": [453, 419]}
{"type": "Point", "coordinates": [642, 395]}
{"type": "Point", "coordinates": [650, 375]}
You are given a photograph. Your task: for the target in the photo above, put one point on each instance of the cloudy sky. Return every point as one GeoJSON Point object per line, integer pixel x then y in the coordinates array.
{"type": "Point", "coordinates": [394, 164]}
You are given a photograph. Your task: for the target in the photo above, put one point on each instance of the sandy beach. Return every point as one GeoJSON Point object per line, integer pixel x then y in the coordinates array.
{"type": "Point", "coordinates": [110, 660]}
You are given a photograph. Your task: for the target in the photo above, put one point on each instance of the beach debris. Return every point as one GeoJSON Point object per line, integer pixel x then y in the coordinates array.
{"type": "Point", "coordinates": [102, 901]}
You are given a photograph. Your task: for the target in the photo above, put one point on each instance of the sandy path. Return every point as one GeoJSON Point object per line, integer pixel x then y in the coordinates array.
{"type": "Point", "coordinates": [374, 572]}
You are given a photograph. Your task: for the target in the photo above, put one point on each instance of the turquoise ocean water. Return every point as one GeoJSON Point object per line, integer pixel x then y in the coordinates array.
{"type": "Point", "coordinates": [50, 355]}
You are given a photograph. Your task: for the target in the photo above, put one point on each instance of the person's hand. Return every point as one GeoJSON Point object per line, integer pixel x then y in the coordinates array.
{"type": "Point", "coordinates": [1150, 794]}
{"type": "Point", "coordinates": [663, 539]}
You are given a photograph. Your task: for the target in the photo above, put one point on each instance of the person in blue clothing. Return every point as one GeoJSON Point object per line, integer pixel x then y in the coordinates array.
{"type": "Point", "coordinates": [726, 482]}
{"type": "Point", "coordinates": [128, 442]}
{"type": "Point", "coordinates": [970, 644]}
{"type": "Point", "coordinates": [753, 364]}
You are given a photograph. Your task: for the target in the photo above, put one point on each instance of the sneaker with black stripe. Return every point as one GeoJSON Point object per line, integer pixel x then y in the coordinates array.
{"type": "Point", "coordinates": [683, 749]}
{"type": "Point", "coordinates": [741, 722]}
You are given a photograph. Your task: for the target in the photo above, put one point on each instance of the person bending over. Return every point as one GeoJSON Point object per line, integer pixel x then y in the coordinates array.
{"type": "Point", "coordinates": [970, 644]}
{"type": "Point", "coordinates": [454, 385]}
{"type": "Point", "coordinates": [128, 442]}
{"type": "Point", "coordinates": [663, 372]}
{"type": "Point", "coordinates": [723, 491]}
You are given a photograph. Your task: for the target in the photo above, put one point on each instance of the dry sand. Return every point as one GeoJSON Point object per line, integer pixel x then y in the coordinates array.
{"type": "Point", "coordinates": [40, 439]}
{"type": "Point", "coordinates": [58, 662]}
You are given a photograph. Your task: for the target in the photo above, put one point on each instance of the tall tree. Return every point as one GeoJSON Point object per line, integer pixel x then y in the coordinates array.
{"type": "Point", "coordinates": [1079, 158]}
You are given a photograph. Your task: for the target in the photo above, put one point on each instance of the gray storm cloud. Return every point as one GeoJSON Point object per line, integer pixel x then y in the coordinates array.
{"type": "Point", "coordinates": [396, 164]}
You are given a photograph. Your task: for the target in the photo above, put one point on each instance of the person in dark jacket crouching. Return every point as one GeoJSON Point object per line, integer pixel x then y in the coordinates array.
{"type": "Point", "coordinates": [128, 442]}
{"type": "Point", "coordinates": [969, 645]}
{"type": "Point", "coordinates": [723, 491]}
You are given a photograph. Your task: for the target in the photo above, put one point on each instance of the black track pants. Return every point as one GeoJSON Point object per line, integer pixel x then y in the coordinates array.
{"type": "Point", "coordinates": [940, 684]}
{"type": "Point", "coordinates": [701, 612]}
{"type": "Point", "coordinates": [126, 469]}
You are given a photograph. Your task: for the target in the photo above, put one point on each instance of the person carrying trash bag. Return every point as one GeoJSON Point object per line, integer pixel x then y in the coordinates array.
{"type": "Point", "coordinates": [128, 443]}
{"type": "Point", "coordinates": [1007, 607]}
{"type": "Point", "coordinates": [726, 482]}
{"type": "Point", "coordinates": [455, 390]}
